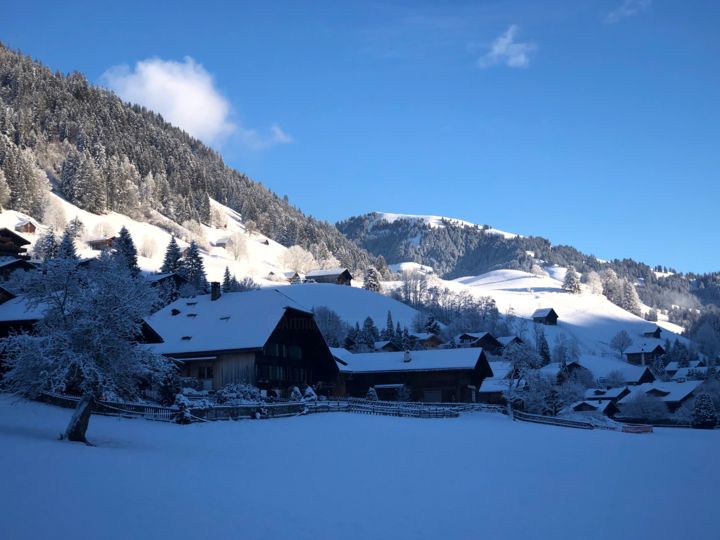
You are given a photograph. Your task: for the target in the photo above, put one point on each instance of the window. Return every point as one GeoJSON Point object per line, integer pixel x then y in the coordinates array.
{"type": "Point", "coordinates": [295, 352]}
{"type": "Point", "coordinates": [205, 372]}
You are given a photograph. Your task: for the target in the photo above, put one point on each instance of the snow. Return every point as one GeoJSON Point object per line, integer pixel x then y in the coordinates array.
{"type": "Point", "coordinates": [353, 304]}
{"type": "Point", "coordinates": [476, 476]}
{"type": "Point", "coordinates": [240, 320]}
{"type": "Point", "coordinates": [18, 309]}
{"type": "Point", "coordinates": [672, 391]}
{"type": "Point", "coordinates": [326, 272]}
{"type": "Point", "coordinates": [436, 222]}
{"type": "Point", "coordinates": [399, 268]}
{"type": "Point", "coordinates": [433, 359]}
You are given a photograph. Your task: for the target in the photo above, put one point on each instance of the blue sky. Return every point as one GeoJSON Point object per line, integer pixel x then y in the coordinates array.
{"type": "Point", "coordinates": [594, 123]}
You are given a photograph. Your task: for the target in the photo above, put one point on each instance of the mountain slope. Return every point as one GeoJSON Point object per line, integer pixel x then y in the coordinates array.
{"type": "Point", "coordinates": [105, 155]}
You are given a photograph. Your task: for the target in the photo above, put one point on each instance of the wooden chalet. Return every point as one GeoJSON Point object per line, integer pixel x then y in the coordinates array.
{"type": "Point", "coordinates": [426, 340]}
{"type": "Point", "coordinates": [483, 340]}
{"type": "Point", "coordinates": [12, 244]}
{"type": "Point", "coordinates": [508, 340]}
{"type": "Point", "coordinates": [8, 266]}
{"type": "Point", "coordinates": [171, 279]}
{"type": "Point", "coordinates": [337, 276]}
{"type": "Point", "coordinates": [653, 334]}
{"type": "Point", "coordinates": [441, 375]}
{"type": "Point", "coordinates": [644, 354]}
{"type": "Point", "coordinates": [545, 316]}
{"type": "Point", "coordinates": [386, 346]}
{"type": "Point", "coordinates": [608, 408]}
{"type": "Point", "coordinates": [258, 337]}
{"type": "Point", "coordinates": [27, 226]}
{"type": "Point", "coordinates": [606, 394]}
{"type": "Point", "coordinates": [672, 394]}
{"type": "Point", "coordinates": [101, 244]}
{"type": "Point", "coordinates": [221, 243]}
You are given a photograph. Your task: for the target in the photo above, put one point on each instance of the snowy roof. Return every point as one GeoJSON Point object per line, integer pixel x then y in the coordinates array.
{"type": "Point", "coordinates": [666, 391]}
{"type": "Point", "coordinates": [505, 340]}
{"type": "Point", "coordinates": [152, 278]}
{"type": "Point", "coordinates": [18, 309]}
{"type": "Point", "coordinates": [686, 372]}
{"type": "Point", "coordinates": [604, 393]}
{"type": "Point", "coordinates": [644, 347]}
{"type": "Point", "coordinates": [326, 272]}
{"type": "Point", "coordinates": [433, 360]}
{"type": "Point", "coordinates": [6, 261]}
{"type": "Point", "coordinates": [475, 335]}
{"type": "Point", "coordinates": [599, 406]}
{"type": "Point", "coordinates": [423, 335]}
{"type": "Point", "coordinates": [674, 365]}
{"type": "Point", "coordinates": [341, 355]}
{"type": "Point", "coordinates": [544, 312]}
{"type": "Point", "coordinates": [602, 366]}
{"type": "Point", "coordinates": [235, 321]}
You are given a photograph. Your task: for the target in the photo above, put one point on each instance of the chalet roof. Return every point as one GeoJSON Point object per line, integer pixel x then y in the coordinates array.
{"type": "Point", "coordinates": [499, 381]}
{"type": "Point", "coordinates": [604, 393]}
{"type": "Point", "coordinates": [20, 240]}
{"type": "Point", "coordinates": [644, 347]}
{"type": "Point", "coordinates": [153, 278]}
{"type": "Point", "coordinates": [341, 355]}
{"type": "Point", "coordinates": [433, 360]}
{"type": "Point", "coordinates": [602, 366]}
{"type": "Point", "coordinates": [553, 369]}
{"type": "Point", "coordinates": [674, 365]}
{"type": "Point", "coordinates": [686, 372]}
{"type": "Point", "coordinates": [422, 336]}
{"type": "Point", "coordinates": [326, 272]}
{"type": "Point", "coordinates": [235, 321]}
{"type": "Point", "coordinates": [380, 344]}
{"type": "Point", "coordinates": [544, 312]}
{"type": "Point", "coordinates": [669, 392]}
{"type": "Point", "coordinates": [598, 406]}
{"type": "Point", "coordinates": [475, 335]}
{"type": "Point", "coordinates": [25, 221]}
{"type": "Point", "coordinates": [18, 309]}
{"type": "Point", "coordinates": [7, 261]}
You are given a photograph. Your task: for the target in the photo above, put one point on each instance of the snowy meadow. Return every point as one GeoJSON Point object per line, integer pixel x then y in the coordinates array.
{"type": "Point", "coordinates": [339, 475]}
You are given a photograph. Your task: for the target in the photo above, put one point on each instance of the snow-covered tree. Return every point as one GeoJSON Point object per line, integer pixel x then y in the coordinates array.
{"type": "Point", "coordinates": [432, 326]}
{"type": "Point", "coordinates": [298, 259]}
{"type": "Point", "coordinates": [704, 414]}
{"type": "Point", "coordinates": [148, 247]}
{"type": "Point", "coordinates": [4, 190]}
{"type": "Point", "coordinates": [389, 332]}
{"type": "Point", "coordinates": [644, 407]}
{"type": "Point", "coordinates": [172, 262]}
{"type": "Point", "coordinates": [54, 215]}
{"type": "Point", "coordinates": [193, 268]}
{"type": "Point", "coordinates": [369, 334]}
{"type": "Point", "coordinates": [86, 342]}
{"type": "Point", "coordinates": [331, 325]}
{"type": "Point", "coordinates": [372, 280]}
{"type": "Point", "coordinates": [541, 344]}
{"type": "Point", "coordinates": [630, 300]}
{"type": "Point", "coordinates": [612, 286]}
{"type": "Point", "coordinates": [46, 247]}
{"type": "Point", "coordinates": [237, 246]}
{"type": "Point", "coordinates": [125, 252]}
{"type": "Point", "coordinates": [371, 394]}
{"type": "Point", "coordinates": [594, 282]}
{"type": "Point", "coordinates": [523, 360]}
{"type": "Point", "coordinates": [566, 349]}
{"type": "Point", "coordinates": [66, 249]}
{"type": "Point", "coordinates": [572, 281]}
{"type": "Point", "coordinates": [621, 342]}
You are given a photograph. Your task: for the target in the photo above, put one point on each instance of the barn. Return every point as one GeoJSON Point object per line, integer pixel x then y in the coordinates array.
{"type": "Point", "coordinates": [441, 375]}
{"type": "Point", "coordinates": [644, 354]}
{"type": "Point", "coordinates": [28, 226]}
{"type": "Point", "coordinates": [12, 244]}
{"type": "Point", "coordinates": [483, 340]}
{"type": "Point", "coordinates": [258, 337]}
{"type": "Point", "coordinates": [337, 276]}
{"type": "Point", "coordinates": [545, 316]}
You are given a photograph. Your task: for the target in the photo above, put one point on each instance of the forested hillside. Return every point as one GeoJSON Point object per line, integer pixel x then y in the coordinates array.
{"type": "Point", "coordinates": [455, 249]}
{"type": "Point", "coordinates": [60, 132]}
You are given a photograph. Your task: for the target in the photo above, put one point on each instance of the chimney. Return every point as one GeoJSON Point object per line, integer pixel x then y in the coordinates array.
{"type": "Point", "coordinates": [214, 290]}
{"type": "Point", "coordinates": [407, 356]}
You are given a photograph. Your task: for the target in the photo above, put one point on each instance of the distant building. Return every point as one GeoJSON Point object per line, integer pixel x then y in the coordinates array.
{"type": "Point", "coordinates": [337, 276]}
{"type": "Point", "coordinates": [644, 354]}
{"type": "Point", "coordinates": [101, 244]}
{"type": "Point", "coordinates": [545, 316]}
{"type": "Point", "coordinates": [654, 334]}
{"type": "Point", "coordinates": [386, 346]}
{"type": "Point", "coordinates": [673, 394]}
{"type": "Point", "coordinates": [28, 226]}
{"type": "Point", "coordinates": [508, 340]}
{"type": "Point", "coordinates": [426, 340]}
{"type": "Point", "coordinates": [484, 340]}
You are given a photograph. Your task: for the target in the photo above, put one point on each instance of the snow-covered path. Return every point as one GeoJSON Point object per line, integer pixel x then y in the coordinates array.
{"type": "Point", "coordinates": [344, 476]}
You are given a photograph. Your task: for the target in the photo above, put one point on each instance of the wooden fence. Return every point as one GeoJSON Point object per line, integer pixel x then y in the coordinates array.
{"type": "Point", "coordinates": [551, 420]}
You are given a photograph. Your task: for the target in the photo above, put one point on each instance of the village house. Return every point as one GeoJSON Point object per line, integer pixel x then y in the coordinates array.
{"type": "Point", "coordinates": [101, 244]}
{"type": "Point", "coordinates": [654, 333]}
{"type": "Point", "coordinates": [9, 265]}
{"type": "Point", "coordinates": [493, 389]}
{"type": "Point", "coordinates": [607, 408]}
{"type": "Point", "coordinates": [28, 226]}
{"type": "Point", "coordinates": [606, 394]}
{"type": "Point", "coordinates": [426, 340]}
{"type": "Point", "coordinates": [12, 244]}
{"type": "Point", "coordinates": [441, 375]}
{"type": "Point", "coordinates": [483, 340]}
{"type": "Point", "coordinates": [386, 346]}
{"type": "Point", "coordinates": [644, 354]}
{"type": "Point", "coordinates": [606, 368]}
{"type": "Point", "coordinates": [170, 279]}
{"type": "Point", "coordinates": [508, 340]}
{"type": "Point", "coordinates": [671, 368]}
{"type": "Point", "coordinates": [257, 337]}
{"type": "Point", "coordinates": [672, 394]}
{"type": "Point", "coordinates": [545, 316]}
{"type": "Point", "coordinates": [337, 276]}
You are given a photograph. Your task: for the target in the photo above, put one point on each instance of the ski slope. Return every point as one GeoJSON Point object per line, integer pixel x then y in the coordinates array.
{"type": "Point", "coordinates": [336, 475]}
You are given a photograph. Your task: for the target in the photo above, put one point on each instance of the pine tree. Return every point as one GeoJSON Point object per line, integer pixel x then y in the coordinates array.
{"type": "Point", "coordinates": [369, 334]}
{"type": "Point", "coordinates": [541, 344]}
{"type": "Point", "coordinates": [389, 331]}
{"type": "Point", "coordinates": [630, 299]}
{"type": "Point", "coordinates": [76, 228]}
{"type": "Point", "coordinates": [432, 326]}
{"type": "Point", "coordinates": [572, 281]}
{"type": "Point", "coordinates": [372, 280]}
{"type": "Point", "coordinates": [46, 246]}
{"type": "Point", "coordinates": [704, 414]}
{"type": "Point", "coordinates": [171, 262]}
{"type": "Point", "coordinates": [66, 249]}
{"type": "Point", "coordinates": [126, 252]}
{"type": "Point", "coordinates": [227, 283]}
{"type": "Point", "coordinates": [4, 190]}
{"type": "Point", "coordinates": [193, 268]}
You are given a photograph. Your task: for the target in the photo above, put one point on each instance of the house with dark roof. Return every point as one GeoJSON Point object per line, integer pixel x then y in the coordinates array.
{"type": "Point", "coordinates": [426, 340]}
{"type": "Point", "coordinates": [483, 340]}
{"type": "Point", "coordinates": [12, 244]}
{"type": "Point", "coordinates": [337, 276]}
{"type": "Point", "coordinates": [9, 265]}
{"type": "Point", "coordinates": [644, 354]}
{"type": "Point", "coordinates": [438, 375]}
{"type": "Point", "coordinates": [259, 337]}
{"type": "Point", "coordinates": [545, 316]}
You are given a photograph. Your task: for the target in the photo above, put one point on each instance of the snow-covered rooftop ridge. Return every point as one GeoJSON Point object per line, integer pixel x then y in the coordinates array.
{"type": "Point", "coordinates": [429, 360]}
{"type": "Point", "coordinates": [19, 309]}
{"type": "Point", "coordinates": [325, 272]}
{"type": "Point", "coordinates": [666, 391]}
{"type": "Point", "coordinates": [436, 221]}
{"type": "Point", "coordinates": [643, 347]}
{"type": "Point", "coordinates": [235, 321]}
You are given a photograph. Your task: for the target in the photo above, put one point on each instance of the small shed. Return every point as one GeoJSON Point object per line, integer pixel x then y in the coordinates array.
{"type": "Point", "coordinates": [27, 226]}
{"type": "Point", "coordinates": [484, 340]}
{"type": "Point", "coordinates": [426, 340]}
{"type": "Point", "coordinates": [386, 346]}
{"type": "Point", "coordinates": [545, 316]}
{"type": "Point", "coordinates": [12, 244]}
{"type": "Point", "coordinates": [101, 244]}
{"type": "Point", "coordinates": [337, 276]}
{"type": "Point", "coordinates": [644, 354]}
{"type": "Point", "coordinates": [653, 334]}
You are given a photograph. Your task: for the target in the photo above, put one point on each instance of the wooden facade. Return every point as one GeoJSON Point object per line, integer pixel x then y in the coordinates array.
{"type": "Point", "coordinates": [101, 244]}
{"type": "Point", "coordinates": [26, 226]}
{"type": "Point", "coordinates": [546, 316]}
{"type": "Point", "coordinates": [338, 276]}
{"type": "Point", "coordinates": [644, 355]}
{"type": "Point", "coordinates": [12, 244]}
{"type": "Point", "coordinates": [484, 340]}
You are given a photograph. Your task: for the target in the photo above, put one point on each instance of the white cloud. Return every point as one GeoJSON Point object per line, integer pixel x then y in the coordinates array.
{"type": "Point", "coordinates": [184, 94]}
{"type": "Point", "coordinates": [627, 9]}
{"type": "Point", "coordinates": [505, 50]}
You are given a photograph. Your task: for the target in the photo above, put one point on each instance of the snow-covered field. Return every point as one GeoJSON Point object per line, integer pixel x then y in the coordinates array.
{"type": "Point", "coordinates": [342, 476]}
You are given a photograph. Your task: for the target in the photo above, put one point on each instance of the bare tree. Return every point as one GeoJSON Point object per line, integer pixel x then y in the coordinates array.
{"type": "Point", "coordinates": [237, 246]}
{"type": "Point", "coordinates": [621, 342]}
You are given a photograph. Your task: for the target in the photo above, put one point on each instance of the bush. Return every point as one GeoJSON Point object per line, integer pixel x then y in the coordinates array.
{"type": "Point", "coordinates": [240, 393]}
{"type": "Point", "coordinates": [371, 394]}
{"type": "Point", "coordinates": [295, 394]}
